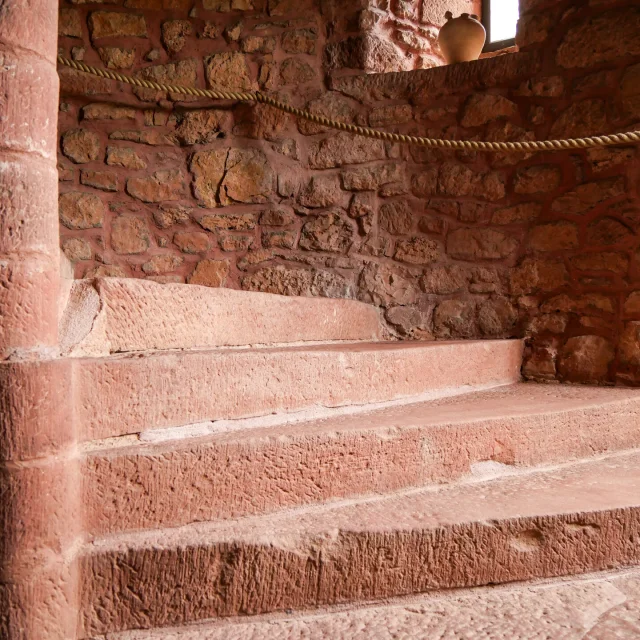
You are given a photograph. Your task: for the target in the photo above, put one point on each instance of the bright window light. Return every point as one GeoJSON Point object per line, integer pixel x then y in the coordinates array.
{"type": "Point", "coordinates": [503, 18]}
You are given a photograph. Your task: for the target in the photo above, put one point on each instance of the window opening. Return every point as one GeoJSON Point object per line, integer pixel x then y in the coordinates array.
{"type": "Point", "coordinates": [500, 18]}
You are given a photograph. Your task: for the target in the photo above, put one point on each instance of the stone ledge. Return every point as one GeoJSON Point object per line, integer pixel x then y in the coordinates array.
{"type": "Point", "coordinates": [420, 85]}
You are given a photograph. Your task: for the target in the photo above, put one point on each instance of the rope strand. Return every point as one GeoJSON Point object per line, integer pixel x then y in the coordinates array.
{"type": "Point", "coordinates": [631, 137]}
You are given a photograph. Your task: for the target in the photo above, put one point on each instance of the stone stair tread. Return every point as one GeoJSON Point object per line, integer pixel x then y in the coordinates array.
{"type": "Point", "coordinates": [131, 393]}
{"type": "Point", "coordinates": [566, 520]}
{"type": "Point", "coordinates": [253, 469]}
{"type": "Point", "coordinates": [604, 605]}
{"type": "Point", "coordinates": [607, 483]}
{"type": "Point", "coordinates": [112, 315]}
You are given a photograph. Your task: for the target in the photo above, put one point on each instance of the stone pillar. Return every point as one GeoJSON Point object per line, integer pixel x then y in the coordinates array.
{"type": "Point", "coordinates": [38, 483]}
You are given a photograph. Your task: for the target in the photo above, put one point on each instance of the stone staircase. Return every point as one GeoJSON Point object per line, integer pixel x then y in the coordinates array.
{"type": "Point", "coordinates": [250, 454]}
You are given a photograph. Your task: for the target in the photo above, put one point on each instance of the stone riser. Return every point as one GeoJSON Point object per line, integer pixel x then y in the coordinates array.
{"type": "Point", "coordinates": [135, 393]}
{"type": "Point", "coordinates": [174, 483]}
{"type": "Point", "coordinates": [566, 521]}
{"type": "Point", "coordinates": [113, 315]}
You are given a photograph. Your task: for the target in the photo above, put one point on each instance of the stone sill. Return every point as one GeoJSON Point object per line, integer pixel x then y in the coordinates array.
{"type": "Point", "coordinates": [423, 84]}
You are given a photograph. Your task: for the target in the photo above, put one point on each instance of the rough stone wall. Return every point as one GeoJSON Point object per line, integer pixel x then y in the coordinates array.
{"type": "Point", "coordinates": [542, 245]}
{"type": "Point", "coordinates": [156, 186]}
{"type": "Point", "coordinates": [451, 245]}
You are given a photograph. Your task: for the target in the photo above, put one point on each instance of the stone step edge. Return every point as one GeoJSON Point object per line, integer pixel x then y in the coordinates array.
{"type": "Point", "coordinates": [130, 393]}
{"type": "Point", "coordinates": [484, 475]}
{"type": "Point", "coordinates": [367, 451]}
{"type": "Point", "coordinates": [556, 521]}
{"type": "Point", "coordinates": [117, 315]}
{"type": "Point", "coordinates": [588, 591]}
{"type": "Point", "coordinates": [262, 426]}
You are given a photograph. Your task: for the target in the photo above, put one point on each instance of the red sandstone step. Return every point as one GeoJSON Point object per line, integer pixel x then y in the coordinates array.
{"type": "Point", "coordinates": [132, 393]}
{"type": "Point", "coordinates": [110, 315]}
{"type": "Point", "coordinates": [597, 606]}
{"type": "Point", "coordinates": [258, 470]}
{"type": "Point", "coordinates": [560, 521]}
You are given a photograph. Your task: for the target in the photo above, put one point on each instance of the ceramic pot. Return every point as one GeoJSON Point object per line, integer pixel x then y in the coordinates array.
{"type": "Point", "coordinates": [461, 39]}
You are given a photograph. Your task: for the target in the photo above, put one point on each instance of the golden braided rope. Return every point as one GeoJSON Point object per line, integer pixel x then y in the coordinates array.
{"type": "Point", "coordinates": [255, 96]}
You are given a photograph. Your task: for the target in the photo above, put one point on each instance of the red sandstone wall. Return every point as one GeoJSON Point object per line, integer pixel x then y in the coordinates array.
{"type": "Point", "coordinates": [452, 245]}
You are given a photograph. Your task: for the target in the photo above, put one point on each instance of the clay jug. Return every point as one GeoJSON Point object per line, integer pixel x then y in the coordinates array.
{"type": "Point", "coordinates": [461, 39]}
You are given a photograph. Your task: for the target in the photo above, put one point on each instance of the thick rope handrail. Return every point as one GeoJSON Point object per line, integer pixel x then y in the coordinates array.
{"type": "Point", "coordinates": [630, 137]}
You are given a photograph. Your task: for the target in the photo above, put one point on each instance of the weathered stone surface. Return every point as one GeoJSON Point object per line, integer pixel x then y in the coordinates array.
{"type": "Point", "coordinates": [210, 273]}
{"type": "Point", "coordinates": [129, 235]}
{"type": "Point", "coordinates": [538, 179]}
{"type": "Point", "coordinates": [80, 210]}
{"type": "Point", "coordinates": [124, 157]}
{"type": "Point", "coordinates": [76, 83]}
{"type": "Point", "coordinates": [104, 180]}
{"type": "Point", "coordinates": [519, 213]}
{"type": "Point", "coordinates": [586, 359]}
{"type": "Point", "coordinates": [281, 280]}
{"type": "Point", "coordinates": [248, 177]}
{"type": "Point", "coordinates": [497, 317]}
{"type": "Point", "coordinates": [109, 24]}
{"type": "Point", "coordinates": [479, 243]}
{"type": "Point", "coordinates": [228, 72]}
{"type": "Point", "coordinates": [299, 41]}
{"type": "Point", "coordinates": [425, 184]}
{"type": "Point", "coordinates": [192, 241]}
{"type": "Point", "coordinates": [554, 236]}
{"type": "Point", "coordinates": [363, 207]}
{"type": "Point", "coordinates": [322, 191]}
{"type": "Point", "coordinates": [262, 122]}
{"type": "Point", "coordinates": [168, 215]}
{"type": "Point", "coordinates": [629, 345]}
{"type": "Point", "coordinates": [81, 145]}
{"type": "Point", "coordinates": [77, 249]}
{"type": "Point", "coordinates": [158, 187]}
{"type": "Point", "coordinates": [396, 217]}
{"type": "Point", "coordinates": [391, 116]}
{"type": "Point", "coordinates": [458, 180]}
{"type": "Point", "coordinates": [417, 250]}
{"type": "Point", "coordinates": [481, 108]}
{"type": "Point", "coordinates": [455, 319]}
{"type": "Point", "coordinates": [602, 38]}
{"type": "Point", "coordinates": [208, 169]}
{"type": "Point", "coordinates": [296, 72]}
{"type": "Point", "coordinates": [371, 178]}
{"type": "Point", "coordinates": [345, 148]}
{"type": "Point", "coordinates": [144, 136]}
{"type": "Point", "coordinates": [174, 35]}
{"type": "Point", "coordinates": [382, 284]}
{"type": "Point", "coordinates": [331, 105]}
{"type": "Point", "coordinates": [582, 199]}
{"type": "Point", "coordinates": [534, 275]}
{"type": "Point", "coordinates": [202, 126]}
{"type": "Point", "coordinates": [117, 57]}
{"type": "Point", "coordinates": [277, 217]}
{"type": "Point", "coordinates": [444, 280]}
{"type": "Point", "coordinates": [546, 87]}
{"type": "Point", "coordinates": [69, 23]}
{"type": "Point", "coordinates": [234, 242]}
{"type": "Point", "coordinates": [586, 118]}
{"type": "Point", "coordinates": [604, 261]}
{"type": "Point", "coordinates": [329, 232]}
{"type": "Point", "coordinates": [104, 111]}
{"type": "Point", "coordinates": [587, 303]}
{"type": "Point", "coordinates": [410, 322]}
{"type": "Point", "coordinates": [603, 158]}
{"type": "Point", "coordinates": [258, 44]}
{"type": "Point", "coordinates": [279, 239]}
{"type": "Point", "coordinates": [228, 222]}
{"type": "Point", "coordinates": [159, 265]}
{"type": "Point", "coordinates": [607, 231]}
{"type": "Point", "coordinates": [183, 72]}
